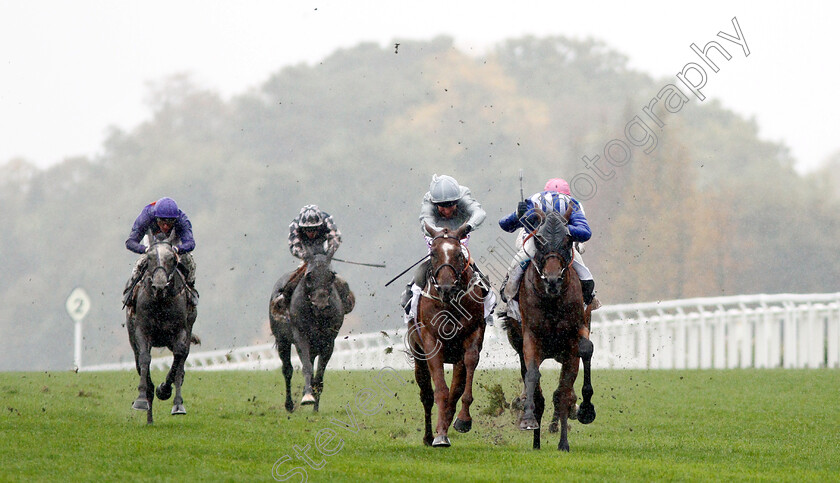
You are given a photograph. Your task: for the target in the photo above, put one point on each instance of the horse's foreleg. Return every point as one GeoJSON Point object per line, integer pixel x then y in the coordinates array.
{"type": "Point", "coordinates": [176, 373]}
{"type": "Point", "coordinates": [318, 381]}
{"type": "Point", "coordinates": [143, 359]}
{"type": "Point", "coordinates": [539, 409]}
{"type": "Point", "coordinates": [586, 412]}
{"type": "Point", "coordinates": [565, 399]}
{"type": "Point", "coordinates": [464, 422]}
{"type": "Point", "coordinates": [435, 364]}
{"type": "Point", "coordinates": [532, 360]}
{"type": "Point", "coordinates": [427, 396]}
{"type": "Point", "coordinates": [456, 390]}
{"type": "Point", "coordinates": [303, 350]}
{"type": "Point", "coordinates": [284, 350]}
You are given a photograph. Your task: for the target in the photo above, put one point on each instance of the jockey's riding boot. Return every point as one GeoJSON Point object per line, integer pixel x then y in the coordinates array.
{"type": "Point", "coordinates": [405, 298]}
{"type": "Point", "coordinates": [512, 286]}
{"type": "Point", "coordinates": [501, 312]}
{"type": "Point", "coordinates": [588, 288]}
{"type": "Point", "coordinates": [502, 289]}
{"type": "Point", "coordinates": [192, 293]}
{"type": "Point", "coordinates": [128, 293]}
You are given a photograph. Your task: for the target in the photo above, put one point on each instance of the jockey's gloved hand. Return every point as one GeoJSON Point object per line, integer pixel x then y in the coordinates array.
{"type": "Point", "coordinates": [467, 229]}
{"type": "Point", "coordinates": [521, 208]}
{"type": "Point", "coordinates": [177, 250]}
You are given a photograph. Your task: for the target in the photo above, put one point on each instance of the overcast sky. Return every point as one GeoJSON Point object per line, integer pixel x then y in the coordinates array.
{"type": "Point", "coordinates": [71, 69]}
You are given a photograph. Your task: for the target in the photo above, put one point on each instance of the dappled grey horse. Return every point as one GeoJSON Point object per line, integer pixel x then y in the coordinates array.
{"type": "Point", "coordinates": [315, 314]}
{"type": "Point", "coordinates": [160, 317]}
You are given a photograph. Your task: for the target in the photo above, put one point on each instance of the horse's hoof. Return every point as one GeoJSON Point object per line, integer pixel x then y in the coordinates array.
{"type": "Point", "coordinates": [563, 446]}
{"type": "Point", "coordinates": [140, 404]}
{"type": "Point", "coordinates": [307, 400]}
{"type": "Point", "coordinates": [553, 427]}
{"type": "Point", "coordinates": [290, 406]}
{"type": "Point", "coordinates": [427, 440]}
{"type": "Point", "coordinates": [573, 412]}
{"type": "Point", "coordinates": [441, 442]}
{"type": "Point", "coordinates": [462, 426]}
{"type": "Point", "coordinates": [586, 413]}
{"type": "Point", "coordinates": [529, 424]}
{"type": "Point", "coordinates": [178, 409]}
{"type": "Point", "coordinates": [163, 392]}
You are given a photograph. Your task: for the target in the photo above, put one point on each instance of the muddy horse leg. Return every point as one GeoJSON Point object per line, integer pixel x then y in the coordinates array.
{"type": "Point", "coordinates": [145, 389]}
{"type": "Point", "coordinates": [436, 370]}
{"type": "Point", "coordinates": [456, 390]}
{"type": "Point", "coordinates": [180, 350]}
{"type": "Point", "coordinates": [532, 360]}
{"type": "Point", "coordinates": [565, 399]}
{"type": "Point", "coordinates": [463, 423]}
{"type": "Point", "coordinates": [284, 350]}
{"type": "Point", "coordinates": [586, 412]}
{"type": "Point", "coordinates": [427, 396]}
{"type": "Point", "coordinates": [318, 381]}
{"type": "Point", "coordinates": [305, 356]}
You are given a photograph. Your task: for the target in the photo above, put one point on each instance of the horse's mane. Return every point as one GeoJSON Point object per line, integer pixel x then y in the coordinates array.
{"type": "Point", "coordinates": [553, 230]}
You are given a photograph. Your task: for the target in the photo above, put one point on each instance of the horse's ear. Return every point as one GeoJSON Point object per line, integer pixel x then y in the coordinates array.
{"type": "Point", "coordinates": [539, 212]}
{"type": "Point", "coordinates": [461, 232]}
{"type": "Point", "coordinates": [431, 231]}
{"type": "Point", "coordinates": [568, 214]}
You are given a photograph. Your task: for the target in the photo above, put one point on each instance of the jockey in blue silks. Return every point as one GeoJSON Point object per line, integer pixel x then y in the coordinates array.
{"type": "Point", "coordinates": [555, 197]}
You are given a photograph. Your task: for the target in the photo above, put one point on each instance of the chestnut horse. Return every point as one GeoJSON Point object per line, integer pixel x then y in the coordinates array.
{"type": "Point", "coordinates": [553, 327]}
{"type": "Point", "coordinates": [449, 329]}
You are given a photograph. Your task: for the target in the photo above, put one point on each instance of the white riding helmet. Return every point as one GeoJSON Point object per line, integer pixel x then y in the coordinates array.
{"type": "Point", "coordinates": [444, 189]}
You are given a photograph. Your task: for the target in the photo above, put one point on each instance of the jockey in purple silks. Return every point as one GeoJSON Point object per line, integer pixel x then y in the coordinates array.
{"type": "Point", "coordinates": [162, 216]}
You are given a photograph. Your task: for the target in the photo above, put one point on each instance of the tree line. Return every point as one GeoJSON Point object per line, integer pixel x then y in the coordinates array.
{"type": "Point", "coordinates": [714, 210]}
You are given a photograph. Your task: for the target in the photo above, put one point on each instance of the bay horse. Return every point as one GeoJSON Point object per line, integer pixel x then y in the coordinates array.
{"type": "Point", "coordinates": [161, 317]}
{"type": "Point", "coordinates": [553, 327]}
{"type": "Point", "coordinates": [312, 321]}
{"type": "Point", "coordinates": [449, 329]}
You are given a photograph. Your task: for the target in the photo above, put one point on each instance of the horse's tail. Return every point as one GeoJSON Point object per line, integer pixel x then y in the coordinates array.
{"type": "Point", "coordinates": [194, 339]}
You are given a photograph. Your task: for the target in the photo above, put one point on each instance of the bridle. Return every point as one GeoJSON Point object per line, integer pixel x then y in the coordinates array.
{"type": "Point", "coordinates": [459, 274]}
{"type": "Point", "coordinates": [170, 274]}
{"type": "Point", "coordinates": [556, 255]}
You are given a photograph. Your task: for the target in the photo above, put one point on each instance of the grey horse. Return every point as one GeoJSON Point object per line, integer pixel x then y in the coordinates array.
{"type": "Point", "coordinates": [314, 316]}
{"type": "Point", "coordinates": [161, 317]}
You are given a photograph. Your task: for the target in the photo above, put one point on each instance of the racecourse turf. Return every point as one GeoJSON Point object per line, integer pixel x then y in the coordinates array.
{"type": "Point", "coordinates": [688, 425]}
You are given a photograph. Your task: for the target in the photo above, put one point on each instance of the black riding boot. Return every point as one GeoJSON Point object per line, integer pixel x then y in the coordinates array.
{"type": "Point", "coordinates": [405, 299]}
{"type": "Point", "coordinates": [588, 287]}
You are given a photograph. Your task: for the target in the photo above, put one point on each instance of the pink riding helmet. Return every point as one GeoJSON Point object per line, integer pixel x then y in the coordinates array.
{"type": "Point", "coordinates": [559, 185]}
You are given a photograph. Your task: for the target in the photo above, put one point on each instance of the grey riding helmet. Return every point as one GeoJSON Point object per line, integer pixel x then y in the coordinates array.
{"type": "Point", "coordinates": [444, 189]}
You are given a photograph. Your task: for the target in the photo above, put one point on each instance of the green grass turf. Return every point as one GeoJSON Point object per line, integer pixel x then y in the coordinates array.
{"type": "Point", "coordinates": [770, 425]}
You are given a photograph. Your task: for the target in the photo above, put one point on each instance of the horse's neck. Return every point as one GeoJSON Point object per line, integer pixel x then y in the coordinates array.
{"type": "Point", "coordinates": [151, 237]}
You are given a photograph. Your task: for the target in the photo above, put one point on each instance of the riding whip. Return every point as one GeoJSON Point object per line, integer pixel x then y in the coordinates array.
{"type": "Point", "coordinates": [407, 269]}
{"type": "Point", "coordinates": [377, 265]}
{"type": "Point", "coordinates": [521, 191]}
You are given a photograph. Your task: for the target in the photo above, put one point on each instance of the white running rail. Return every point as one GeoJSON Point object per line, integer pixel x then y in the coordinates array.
{"type": "Point", "coordinates": [761, 331]}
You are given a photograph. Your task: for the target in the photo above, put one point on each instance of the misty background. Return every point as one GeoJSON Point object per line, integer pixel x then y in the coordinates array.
{"type": "Point", "coordinates": [715, 209]}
